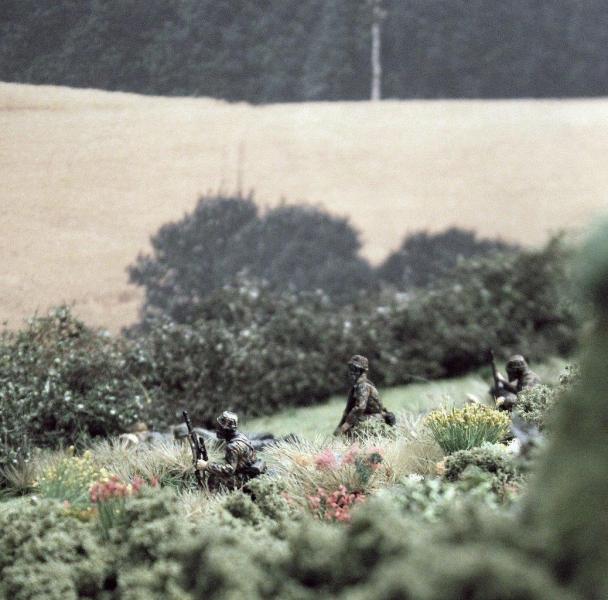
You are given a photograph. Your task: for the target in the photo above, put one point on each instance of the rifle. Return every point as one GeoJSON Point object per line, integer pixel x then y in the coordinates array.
{"type": "Point", "coordinates": [199, 450]}
{"type": "Point", "coordinates": [494, 373]}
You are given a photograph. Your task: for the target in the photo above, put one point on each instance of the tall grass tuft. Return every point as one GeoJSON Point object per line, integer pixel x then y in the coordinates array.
{"type": "Point", "coordinates": [169, 463]}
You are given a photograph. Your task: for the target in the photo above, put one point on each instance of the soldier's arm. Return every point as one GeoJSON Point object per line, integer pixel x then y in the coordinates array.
{"type": "Point", "coordinates": [508, 386]}
{"type": "Point", "coordinates": [229, 467]}
{"type": "Point", "coordinates": [530, 380]}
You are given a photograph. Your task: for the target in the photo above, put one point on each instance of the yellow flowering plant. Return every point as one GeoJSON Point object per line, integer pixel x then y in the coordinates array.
{"type": "Point", "coordinates": [467, 427]}
{"type": "Point", "coordinates": [70, 478]}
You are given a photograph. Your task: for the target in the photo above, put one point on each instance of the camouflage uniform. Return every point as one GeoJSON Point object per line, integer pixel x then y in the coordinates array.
{"type": "Point", "coordinates": [520, 377]}
{"type": "Point", "coordinates": [241, 463]}
{"type": "Point", "coordinates": [363, 404]}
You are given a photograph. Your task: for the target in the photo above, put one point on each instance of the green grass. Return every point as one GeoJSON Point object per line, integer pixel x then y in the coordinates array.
{"type": "Point", "coordinates": [321, 419]}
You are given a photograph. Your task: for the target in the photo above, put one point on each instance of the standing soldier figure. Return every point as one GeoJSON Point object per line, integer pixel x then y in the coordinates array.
{"type": "Point", "coordinates": [241, 463]}
{"type": "Point", "coordinates": [363, 404]}
{"type": "Point", "coordinates": [519, 377]}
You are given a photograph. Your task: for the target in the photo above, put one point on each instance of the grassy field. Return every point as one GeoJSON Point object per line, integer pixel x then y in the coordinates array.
{"type": "Point", "coordinates": [88, 176]}
{"type": "Point", "coordinates": [319, 421]}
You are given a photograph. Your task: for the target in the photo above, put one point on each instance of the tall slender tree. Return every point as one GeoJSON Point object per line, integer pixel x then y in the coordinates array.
{"type": "Point", "coordinates": [378, 15]}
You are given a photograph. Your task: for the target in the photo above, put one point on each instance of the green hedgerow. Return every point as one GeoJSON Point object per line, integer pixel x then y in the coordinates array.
{"type": "Point", "coordinates": [62, 383]}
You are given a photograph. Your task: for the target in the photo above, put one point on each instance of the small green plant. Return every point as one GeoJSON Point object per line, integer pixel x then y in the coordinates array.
{"type": "Point", "coordinates": [467, 427]}
{"type": "Point", "coordinates": [109, 496]}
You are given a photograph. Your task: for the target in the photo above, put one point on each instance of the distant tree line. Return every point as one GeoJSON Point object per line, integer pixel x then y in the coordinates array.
{"type": "Point", "coordinates": [227, 239]}
{"type": "Point", "coordinates": [289, 50]}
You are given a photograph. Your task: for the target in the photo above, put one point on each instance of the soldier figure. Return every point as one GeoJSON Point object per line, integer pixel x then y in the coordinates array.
{"type": "Point", "coordinates": [519, 377]}
{"type": "Point", "coordinates": [363, 403]}
{"type": "Point", "coordinates": [241, 463]}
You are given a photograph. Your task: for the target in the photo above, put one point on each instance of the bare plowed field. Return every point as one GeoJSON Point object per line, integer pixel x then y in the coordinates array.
{"type": "Point", "coordinates": [87, 176]}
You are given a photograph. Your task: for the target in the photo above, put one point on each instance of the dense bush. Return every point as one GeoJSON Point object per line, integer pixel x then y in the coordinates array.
{"type": "Point", "coordinates": [262, 351]}
{"type": "Point", "coordinates": [424, 257]}
{"type": "Point", "coordinates": [488, 458]}
{"type": "Point", "coordinates": [536, 405]}
{"type": "Point", "coordinates": [290, 247]}
{"type": "Point", "coordinates": [44, 553]}
{"type": "Point", "coordinates": [569, 496]}
{"type": "Point", "coordinates": [61, 382]}
{"type": "Point", "coordinates": [514, 303]}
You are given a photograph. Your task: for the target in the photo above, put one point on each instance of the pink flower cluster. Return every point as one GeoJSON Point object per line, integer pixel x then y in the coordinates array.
{"type": "Point", "coordinates": [334, 506]}
{"type": "Point", "coordinates": [113, 488]}
{"type": "Point", "coordinates": [326, 460]}
{"type": "Point", "coordinates": [330, 460]}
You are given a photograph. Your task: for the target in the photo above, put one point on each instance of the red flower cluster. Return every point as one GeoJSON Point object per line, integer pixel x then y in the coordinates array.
{"type": "Point", "coordinates": [334, 506]}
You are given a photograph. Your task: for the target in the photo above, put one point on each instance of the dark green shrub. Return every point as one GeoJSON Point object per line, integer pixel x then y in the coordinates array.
{"type": "Point", "coordinates": [192, 257]}
{"type": "Point", "coordinates": [515, 303]}
{"type": "Point", "coordinates": [489, 458]}
{"type": "Point", "coordinates": [61, 382]}
{"type": "Point", "coordinates": [290, 247]}
{"type": "Point", "coordinates": [536, 405]}
{"type": "Point", "coordinates": [146, 549]}
{"type": "Point", "coordinates": [44, 553]}
{"type": "Point", "coordinates": [568, 500]}
{"type": "Point", "coordinates": [262, 351]}
{"type": "Point", "coordinates": [425, 257]}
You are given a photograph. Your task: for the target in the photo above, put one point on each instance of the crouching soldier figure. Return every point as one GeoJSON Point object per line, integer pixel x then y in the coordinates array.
{"type": "Point", "coordinates": [241, 462]}
{"type": "Point", "coordinates": [519, 377]}
{"type": "Point", "coordinates": [363, 404]}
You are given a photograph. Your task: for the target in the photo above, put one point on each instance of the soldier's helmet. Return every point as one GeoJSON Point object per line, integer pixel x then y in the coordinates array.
{"type": "Point", "coordinates": [359, 362]}
{"type": "Point", "coordinates": [516, 364]}
{"type": "Point", "coordinates": [228, 420]}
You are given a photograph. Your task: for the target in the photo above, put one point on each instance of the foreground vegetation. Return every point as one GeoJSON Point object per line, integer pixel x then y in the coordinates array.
{"type": "Point", "coordinates": [381, 517]}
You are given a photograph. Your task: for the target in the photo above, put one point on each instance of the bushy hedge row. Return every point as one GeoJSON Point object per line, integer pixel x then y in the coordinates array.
{"type": "Point", "coordinates": [61, 382]}
{"type": "Point", "coordinates": [256, 350]}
